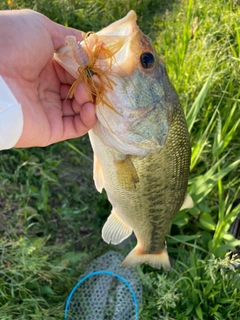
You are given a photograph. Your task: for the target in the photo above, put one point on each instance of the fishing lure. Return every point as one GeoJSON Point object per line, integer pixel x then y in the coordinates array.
{"type": "Point", "coordinates": [96, 79]}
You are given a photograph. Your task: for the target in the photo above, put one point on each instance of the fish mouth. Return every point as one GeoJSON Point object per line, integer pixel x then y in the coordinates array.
{"type": "Point", "coordinates": [123, 27]}
{"type": "Point", "coordinates": [101, 58]}
{"type": "Point", "coordinates": [123, 39]}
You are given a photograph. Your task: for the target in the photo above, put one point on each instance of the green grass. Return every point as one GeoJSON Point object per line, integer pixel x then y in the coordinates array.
{"type": "Point", "coordinates": [51, 214]}
{"type": "Point", "coordinates": [196, 289]}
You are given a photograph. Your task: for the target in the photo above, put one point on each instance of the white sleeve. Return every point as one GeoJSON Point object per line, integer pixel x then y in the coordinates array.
{"type": "Point", "coordinates": [11, 117]}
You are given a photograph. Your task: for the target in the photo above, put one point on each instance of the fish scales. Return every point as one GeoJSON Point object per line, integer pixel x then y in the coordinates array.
{"type": "Point", "coordinates": [141, 143]}
{"type": "Point", "coordinates": [158, 192]}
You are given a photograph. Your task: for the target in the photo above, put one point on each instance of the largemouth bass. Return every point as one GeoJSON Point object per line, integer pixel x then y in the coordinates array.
{"type": "Point", "coordinates": [140, 142]}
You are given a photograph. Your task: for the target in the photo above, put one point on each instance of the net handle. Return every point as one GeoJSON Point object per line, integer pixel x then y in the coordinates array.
{"type": "Point", "coordinates": [100, 272]}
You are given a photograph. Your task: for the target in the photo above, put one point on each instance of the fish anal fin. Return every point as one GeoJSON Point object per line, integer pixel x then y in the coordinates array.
{"type": "Point", "coordinates": [115, 230]}
{"type": "Point", "coordinates": [126, 173]}
{"type": "Point", "coordinates": [187, 203]}
{"type": "Point", "coordinates": [98, 174]}
{"type": "Point", "coordinates": [157, 260]}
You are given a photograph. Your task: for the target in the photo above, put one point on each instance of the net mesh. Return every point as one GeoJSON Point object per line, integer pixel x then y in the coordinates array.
{"type": "Point", "coordinates": [106, 297]}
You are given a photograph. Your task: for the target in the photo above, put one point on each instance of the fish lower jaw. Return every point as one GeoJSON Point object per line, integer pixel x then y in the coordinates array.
{"type": "Point", "coordinates": [122, 141]}
{"type": "Point", "coordinates": [157, 259]}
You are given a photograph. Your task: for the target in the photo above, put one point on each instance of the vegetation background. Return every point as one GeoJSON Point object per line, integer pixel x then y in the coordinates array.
{"type": "Point", "coordinates": [51, 215]}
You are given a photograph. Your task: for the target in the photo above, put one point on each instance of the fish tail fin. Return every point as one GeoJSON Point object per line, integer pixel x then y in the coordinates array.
{"type": "Point", "coordinates": [156, 260]}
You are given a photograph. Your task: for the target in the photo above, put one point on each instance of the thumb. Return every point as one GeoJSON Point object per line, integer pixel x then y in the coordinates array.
{"type": "Point", "coordinates": [58, 33]}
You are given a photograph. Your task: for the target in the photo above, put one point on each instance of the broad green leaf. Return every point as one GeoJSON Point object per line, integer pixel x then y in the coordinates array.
{"type": "Point", "coordinates": [230, 239]}
{"type": "Point", "coordinates": [181, 219]}
{"type": "Point", "coordinates": [74, 257]}
{"type": "Point", "coordinates": [206, 221]}
{"type": "Point", "coordinates": [199, 312]}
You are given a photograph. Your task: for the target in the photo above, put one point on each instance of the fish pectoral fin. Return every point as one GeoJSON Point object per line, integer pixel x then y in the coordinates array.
{"type": "Point", "coordinates": [187, 203]}
{"type": "Point", "coordinates": [98, 174]}
{"type": "Point", "coordinates": [156, 259]}
{"type": "Point", "coordinates": [126, 173]}
{"type": "Point", "coordinates": [115, 230]}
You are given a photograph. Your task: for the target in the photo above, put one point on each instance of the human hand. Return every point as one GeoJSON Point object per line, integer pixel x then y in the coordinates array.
{"type": "Point", "coordinates": [27, 41]}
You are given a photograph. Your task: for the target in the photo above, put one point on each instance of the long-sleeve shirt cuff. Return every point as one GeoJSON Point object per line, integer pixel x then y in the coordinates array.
{"type": "Point", "coordinates": [11, 117]}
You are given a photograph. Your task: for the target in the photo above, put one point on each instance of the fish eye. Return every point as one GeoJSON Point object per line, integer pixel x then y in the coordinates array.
{"type": "Point", "coordinates": [147, 60]}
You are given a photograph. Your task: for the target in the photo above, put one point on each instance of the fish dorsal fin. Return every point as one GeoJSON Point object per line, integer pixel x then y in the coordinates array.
{"type": "Point", "coordinates": [98, 174]}
{"type": "Point", "coordinates": [115, 230]}
{"type": "Point", "coordinates": [187, 203]}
